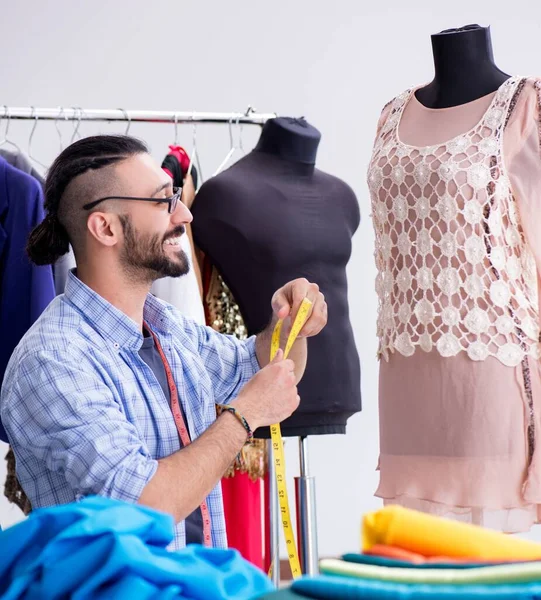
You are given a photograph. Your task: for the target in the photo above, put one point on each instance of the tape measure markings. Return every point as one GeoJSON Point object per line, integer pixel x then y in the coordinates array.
{"type": "Point", "coordinates": [278, 445]}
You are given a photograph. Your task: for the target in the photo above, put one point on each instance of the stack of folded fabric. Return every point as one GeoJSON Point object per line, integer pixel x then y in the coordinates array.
{"type": "Point", "coordinates": [411, 555]}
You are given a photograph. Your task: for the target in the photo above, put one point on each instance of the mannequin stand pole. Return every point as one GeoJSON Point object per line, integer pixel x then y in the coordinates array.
{"type": "Point", "coordinates": [274, 519]}
{"type": "Point", "coordinates": [305, 495]}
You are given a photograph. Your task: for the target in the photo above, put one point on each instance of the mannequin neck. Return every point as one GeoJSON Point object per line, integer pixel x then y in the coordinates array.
{"type": "Point", "coordinates": [464, 68]}
{"type": "Point", "coordinates": [290, 139]}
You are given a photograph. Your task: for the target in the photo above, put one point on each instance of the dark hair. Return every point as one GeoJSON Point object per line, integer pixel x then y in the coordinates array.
{"type": "Point", "coordinates": [50, 240]}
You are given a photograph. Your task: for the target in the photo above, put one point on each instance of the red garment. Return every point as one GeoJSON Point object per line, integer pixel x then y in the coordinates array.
{"type": "Point", "coordinates": [242, 505]}
{"type": "Point", "coordinates": [182, 156]}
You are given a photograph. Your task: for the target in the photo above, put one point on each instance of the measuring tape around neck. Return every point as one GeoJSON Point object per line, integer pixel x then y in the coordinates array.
{"type": "Point", "coordinates": [278, 444]}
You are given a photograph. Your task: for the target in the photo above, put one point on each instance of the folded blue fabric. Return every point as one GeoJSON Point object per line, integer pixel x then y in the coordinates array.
{"type": "Point", "coordinates": [106, 549]}
{"type": "Point", "coordinates": [380, 561]}
{"type": "Point", "coordinates": [340, 588]}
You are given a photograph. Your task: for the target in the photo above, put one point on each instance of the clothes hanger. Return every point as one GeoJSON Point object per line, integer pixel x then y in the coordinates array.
{"type": "Point", "coordinates": [248, 112]}
{"type": "Point", "coordinates": [195, 154]}
{"type": "Point", "coordinates": [6, 140]}
{"type": "Point", "coordinates": [175, 141]}
{"type": "Point", "coordinates": [60, 114]}
{"type": "Point", "coordinates": [128, 118]}
{"type": "Point", "coordinates": [79, 112]}
{"type": "Point", "coordinates": [232, 149]}
{"type": "Point", "coordinates": [30, 155]}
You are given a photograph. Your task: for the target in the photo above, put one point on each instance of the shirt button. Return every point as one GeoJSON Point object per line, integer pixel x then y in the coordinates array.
{"type": "Point", "coordinates": [79, 497]}
{"type": "Point", "coordinates": [116, 345]}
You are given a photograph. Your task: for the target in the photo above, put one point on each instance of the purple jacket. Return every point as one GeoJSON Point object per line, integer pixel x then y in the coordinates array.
{"type": "Point", "coordinates": [25, 289]}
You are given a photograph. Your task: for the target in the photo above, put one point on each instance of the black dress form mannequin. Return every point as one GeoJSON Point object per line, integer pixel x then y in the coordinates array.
{"type": "Point", "coordinates": [464, 68]}
{"type": "Point", "coordinates": [273, 217]}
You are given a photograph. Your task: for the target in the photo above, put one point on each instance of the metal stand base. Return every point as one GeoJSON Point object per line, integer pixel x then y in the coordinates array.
{"type": "Point", "coordinates": [305, 495]}
{"type": "Point", "coordinates": [274, 519]}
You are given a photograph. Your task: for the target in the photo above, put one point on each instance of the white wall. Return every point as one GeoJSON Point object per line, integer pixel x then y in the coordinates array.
{"type": "Point", "coordinates": [336, 63]}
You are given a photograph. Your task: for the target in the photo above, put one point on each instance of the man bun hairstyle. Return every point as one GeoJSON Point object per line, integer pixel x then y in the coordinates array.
{"type": "Point", "coordinates": [52, 237]}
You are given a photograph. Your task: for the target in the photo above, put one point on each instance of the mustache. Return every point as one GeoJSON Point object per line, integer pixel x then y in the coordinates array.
{"type": "Point", "coordinates": [177, 232]}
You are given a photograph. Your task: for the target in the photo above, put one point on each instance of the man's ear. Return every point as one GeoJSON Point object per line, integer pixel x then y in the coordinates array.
{"type": "Point", "coordinates": [105, 228]}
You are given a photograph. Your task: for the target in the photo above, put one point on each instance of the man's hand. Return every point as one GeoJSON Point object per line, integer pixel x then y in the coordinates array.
{"type": "Point", "coordinates": [287, 301]}
{"type": "Point", "coordinates": [271, 395]}
{"type": "Point", "coordinates": [285, 304]}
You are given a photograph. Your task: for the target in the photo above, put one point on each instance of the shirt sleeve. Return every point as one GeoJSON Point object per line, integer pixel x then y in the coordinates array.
{"type": "Point", "coordinates": [230, 362]}
{"type": "Point", "coordinates": [61, 413]}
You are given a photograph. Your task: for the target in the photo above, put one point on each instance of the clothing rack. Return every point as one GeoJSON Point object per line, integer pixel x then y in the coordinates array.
{"type": "Point", "coordinates": [75, 113]}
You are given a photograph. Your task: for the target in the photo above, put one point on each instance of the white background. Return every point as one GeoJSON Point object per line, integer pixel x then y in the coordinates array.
{"type": "Point", "coordinates": [336, 63]}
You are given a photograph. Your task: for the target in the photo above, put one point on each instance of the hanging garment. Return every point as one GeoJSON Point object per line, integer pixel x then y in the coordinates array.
{"type": "Point", "coordinates": [458, 249]}
{"type": "Point", "coordinates": [62, 267]}
{"type": "Point", "coordinates": [183, 292]}
{"type": "Point", "coordinates": [65, 263]}
{"type": "Point", "coordinates": [22, 162]}
{"type": "Point", "coordinates": [25, 289]}
{"type": "Point", "coordinates": [242, 507]}
{"type": "Point", "coordinates": [102, 548]}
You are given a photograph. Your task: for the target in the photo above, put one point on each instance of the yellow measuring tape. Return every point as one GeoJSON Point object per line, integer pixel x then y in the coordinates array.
{"type": "Point", "coordinates": [278, 445]}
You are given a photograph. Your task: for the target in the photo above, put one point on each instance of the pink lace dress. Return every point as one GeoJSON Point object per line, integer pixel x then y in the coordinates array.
{"type": "Point", "coordinates": [456, 206]}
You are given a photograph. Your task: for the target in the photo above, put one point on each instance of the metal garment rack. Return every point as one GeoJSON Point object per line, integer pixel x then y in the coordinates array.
{"type": "Point", "coordinates": [305, 484]}
{"type": "Point", "coordinates": [76, 113]}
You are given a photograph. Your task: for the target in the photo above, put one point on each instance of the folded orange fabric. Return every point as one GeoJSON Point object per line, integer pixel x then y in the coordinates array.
{"type": "Point", "coordinates": [432, 536]}
{"type": "Point", "coordinates": [418, 559]}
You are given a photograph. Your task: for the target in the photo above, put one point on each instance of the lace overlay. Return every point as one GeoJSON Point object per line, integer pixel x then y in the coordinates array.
{"type": "Point", "coordinates": [454, 270]}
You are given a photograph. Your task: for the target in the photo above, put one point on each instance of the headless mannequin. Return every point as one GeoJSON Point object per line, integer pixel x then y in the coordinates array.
{"type": "Point", "coordinates": [272, 217]}
{"type": "Point", "coordinates": [464, 68]}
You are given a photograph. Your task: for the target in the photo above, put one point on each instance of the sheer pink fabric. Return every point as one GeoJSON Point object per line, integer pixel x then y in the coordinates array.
{"type": "Point", "coordinates": [453, 432]}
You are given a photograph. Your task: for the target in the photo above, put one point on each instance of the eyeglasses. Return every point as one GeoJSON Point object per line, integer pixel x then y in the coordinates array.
{"type": "Point", "coordinates": [172, 200]}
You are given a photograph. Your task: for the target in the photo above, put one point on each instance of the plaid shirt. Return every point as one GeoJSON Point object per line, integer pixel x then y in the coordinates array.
{"type": "Point", "coordinates": [85, 414]}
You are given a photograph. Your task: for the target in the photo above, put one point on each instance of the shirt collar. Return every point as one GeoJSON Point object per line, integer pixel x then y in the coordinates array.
{"type": "Point", "coordinates": [110, 322]}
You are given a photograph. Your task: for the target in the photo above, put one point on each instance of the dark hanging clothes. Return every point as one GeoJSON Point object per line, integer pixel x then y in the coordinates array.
{"type": "Point", "coordinates": [25, 289]}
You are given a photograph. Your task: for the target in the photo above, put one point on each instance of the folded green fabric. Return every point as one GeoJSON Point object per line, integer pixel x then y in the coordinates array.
{"type": "Point", "coordinates": [342, 588]}
{"type": "Point", "coordinates": [528, 572]}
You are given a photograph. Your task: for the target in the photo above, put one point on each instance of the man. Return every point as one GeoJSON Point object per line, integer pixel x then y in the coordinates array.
{"type": "Point", "coordinates": [105, 392]}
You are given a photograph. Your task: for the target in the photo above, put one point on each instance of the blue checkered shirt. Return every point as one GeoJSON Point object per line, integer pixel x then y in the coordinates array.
{"type": "Point", "coordinates": [85, 414]}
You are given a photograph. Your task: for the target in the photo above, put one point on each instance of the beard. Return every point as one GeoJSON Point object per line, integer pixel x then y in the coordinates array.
{"type": "Point", "coordinates": [145, 257]}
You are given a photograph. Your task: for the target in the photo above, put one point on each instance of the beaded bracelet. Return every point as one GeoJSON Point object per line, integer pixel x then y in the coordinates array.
{"type": "Point", "coordinates": [224, 407]}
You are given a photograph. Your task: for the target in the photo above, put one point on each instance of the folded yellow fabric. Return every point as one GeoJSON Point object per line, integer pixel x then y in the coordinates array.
{"type": "Point", "coordinates": [433, 536]}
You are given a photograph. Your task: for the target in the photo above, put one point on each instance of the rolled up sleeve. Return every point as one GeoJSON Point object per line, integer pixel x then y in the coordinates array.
{"type": "Point", "coordinates": [62, 414]}
{"type": "Point", "coordinates": [230, 362]}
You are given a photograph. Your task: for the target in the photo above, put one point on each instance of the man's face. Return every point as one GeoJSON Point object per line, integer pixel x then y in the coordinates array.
{"type": "Point", "coordinates": [152, 236]}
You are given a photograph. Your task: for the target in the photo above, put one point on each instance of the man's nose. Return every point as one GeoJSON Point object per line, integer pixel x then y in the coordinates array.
{"type": "Point", "coordinates": [182, 214]}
